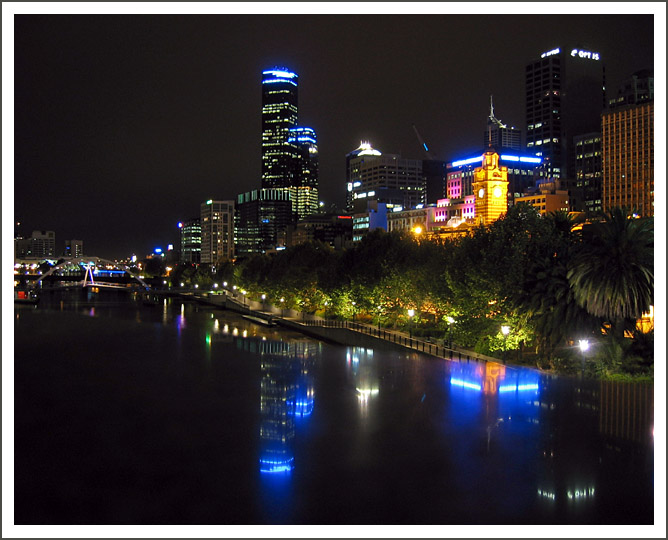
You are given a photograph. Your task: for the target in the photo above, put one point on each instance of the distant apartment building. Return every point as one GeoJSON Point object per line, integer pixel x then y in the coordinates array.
{"type": "Point", "coordinates": [217, 223]}
{"type": "Point", "coordinates": [372, 216]}
{"type": "Point", "coordinates": [40, 245]}
{"type": "Point", "coordinates": [191, 241]}
{"type": "Point", "coordinates": [73, 248]}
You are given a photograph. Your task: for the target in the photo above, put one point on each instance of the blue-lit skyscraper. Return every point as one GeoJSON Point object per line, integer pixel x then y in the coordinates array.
{"type": "Point", "coordinates": [289, 152]}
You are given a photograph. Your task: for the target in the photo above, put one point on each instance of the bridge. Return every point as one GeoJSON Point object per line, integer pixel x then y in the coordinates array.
{"type": "Point", "coordinates": [91, 266]}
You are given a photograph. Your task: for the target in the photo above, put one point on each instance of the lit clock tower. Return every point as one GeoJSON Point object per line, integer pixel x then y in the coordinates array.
{"type": "Point", "coordinates": [490, 187]}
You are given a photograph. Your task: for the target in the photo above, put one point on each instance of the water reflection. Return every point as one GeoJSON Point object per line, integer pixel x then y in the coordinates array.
{"type": "Point", "coordinates": [363, 371]}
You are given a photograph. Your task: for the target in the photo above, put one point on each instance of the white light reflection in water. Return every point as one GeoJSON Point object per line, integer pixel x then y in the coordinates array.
{"type": "Point", "coordinates": [216, 326]}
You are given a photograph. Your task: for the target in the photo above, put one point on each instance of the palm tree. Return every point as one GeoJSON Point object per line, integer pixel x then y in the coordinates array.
{"type": "Point", "coordinates": [612, 275]}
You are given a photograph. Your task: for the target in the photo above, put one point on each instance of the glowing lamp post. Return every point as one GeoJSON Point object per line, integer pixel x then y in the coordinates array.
{"type": "Point", "coordinates": [264, 297]}
{"type": "Point", "coordinates": [411, 314]}
{"type": "Point", "coordinates": [449, 320]}
{"type": "Point", "coordinates": [505, 330]}
{"type": "Point", "coordinates": [584, 347]}
{"type": "Point", "coordinates": [282, 307]}
{"type": "Point", "coordinates": [353, 303]}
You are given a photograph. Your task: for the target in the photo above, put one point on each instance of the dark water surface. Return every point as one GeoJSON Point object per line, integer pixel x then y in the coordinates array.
{"type": "Point", "coordinates": [182, 414]}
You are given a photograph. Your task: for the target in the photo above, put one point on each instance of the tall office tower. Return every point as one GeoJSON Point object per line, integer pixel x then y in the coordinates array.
{"type": "Point", "coordinates": [565, 95]}
{"type": "Point", "coordinates": [585, 195]}
{"type": "Point", "coordinates": [305, 190]}
{"type": "Point", "coordinates": [499, 134]}
{"type": "Point", "coordinates": [217, 222]}
{"type": "Point", "coordinates": [289, 152]}
{"type": "Point", "coordinates": [191, 241]}
{"type": "Point", "coordinates": [435, 177]}
{"type": "Point", "coordinates": [387, 178]}
{"type": "Point", "coordinates": [261, 219]}
{"type": "Point", "coordinates": [73, 248]}
{"type": "Point", "coordinates": [627, 141]}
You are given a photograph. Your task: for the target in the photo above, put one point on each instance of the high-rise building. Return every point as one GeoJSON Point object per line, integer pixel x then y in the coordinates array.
{"type": "Point", "coordinates": [585, 194]}
{"type": "Point", "coordinates": [73, 248]}
{"type": "Point", "coordinates": [261, 219]}
{"type": "Point", "coordinates": [499, 134]}
{"type": "Point", "coordinates": [217, 223]}
{"type": "Point", "coordinates": [565, 95]}
{"type": "Point", "coordinates": [289, 152]}
{"type": "Point", "coordinates": [191, 241]}
{"type": "Point", "coordinates": [305, 190]}
{"type": "Point", "coordinates": [627, 141]}
{"type": "Point", "coordinates": [387, 178]}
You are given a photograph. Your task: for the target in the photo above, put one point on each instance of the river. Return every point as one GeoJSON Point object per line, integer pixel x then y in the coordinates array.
{"type": "Point", "coordinates": [183, 414]}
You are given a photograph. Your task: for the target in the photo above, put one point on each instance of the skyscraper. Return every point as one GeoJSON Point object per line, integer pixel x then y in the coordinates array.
{"type": "Point", "coordinates": [387, 178]}
{"type": "Point", "coordinates": [289, 152]}
{"type": "Point", "coordinates": [565, 95]}
{"type": "Point", "coordinates": [191, 241]}
{"type": "Point", "coordinates": [217, 222]}
{"type": "Point", "coordinates": [499, 134]}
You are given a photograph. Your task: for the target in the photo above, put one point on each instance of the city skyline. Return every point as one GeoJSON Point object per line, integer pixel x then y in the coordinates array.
{"type": "Point", "coordinates": [156, 114]}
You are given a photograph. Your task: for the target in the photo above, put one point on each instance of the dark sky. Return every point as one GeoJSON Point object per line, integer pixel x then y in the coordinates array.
{"type": "Point", "coordinates": [124, 124]}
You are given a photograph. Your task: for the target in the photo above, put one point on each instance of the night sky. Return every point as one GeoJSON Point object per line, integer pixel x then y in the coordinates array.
{"type": "Point", "coordinates": [124, 124]}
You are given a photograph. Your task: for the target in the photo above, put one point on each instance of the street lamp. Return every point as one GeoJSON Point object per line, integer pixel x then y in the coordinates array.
{"type": "Point", "coordinates": [353, 303]}
{"type": "Point", "coordinates": [264, 297]}
{"type": "Point", "coordinates": [379, 312]}
{"type": "Point", "coordinates": [282, 307]}
{"type": "Point", "coordinates": [243, 297]}
{"type": "Point", "coordinates": [411, 314]}
{"type": "Point", "coordinates": [584, 347]}
{"type": "Point", "coordinates": [505, 330]}
{"type": "Point", "coordinates": [449, 320]}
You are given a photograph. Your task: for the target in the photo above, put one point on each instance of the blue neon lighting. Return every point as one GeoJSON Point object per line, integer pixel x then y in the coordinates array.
{"type": "Point", "coordinates": [518, 387]}
{"type": "Point", "coordinates": [276, 466]}
{"type": "Point", "coordinates": [425, 146]}
{"type": "Point", "coordinates": [531, 159]}
{"type": "Point", "coordinates": [464, 384]}
{"type": "Point", "coordinates": [506, 157]}
{"type": "Point", "coordinates": [466, 161]}
{"type": "Point", "coordinates": [269, 81]}
{"type": "Point", "coordinates": [280, 73]}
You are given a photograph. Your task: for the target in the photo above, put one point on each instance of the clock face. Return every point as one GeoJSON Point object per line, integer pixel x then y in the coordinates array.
{"type": "Point", "coordinates": [481, 193]}
{"type": "Point", "coordinates": [497, 191]}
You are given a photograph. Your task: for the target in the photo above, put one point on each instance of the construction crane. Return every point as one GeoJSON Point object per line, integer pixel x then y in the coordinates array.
{"type": "Point", "coordinates": [423, 144]}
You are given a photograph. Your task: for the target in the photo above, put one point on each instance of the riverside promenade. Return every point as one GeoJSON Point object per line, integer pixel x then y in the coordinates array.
{"type": "Point", "coordinates": [339, 332]}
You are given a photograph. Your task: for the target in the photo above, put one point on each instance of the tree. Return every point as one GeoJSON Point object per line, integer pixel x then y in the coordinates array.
{"type": "Point", "coordinates": [612, 275]}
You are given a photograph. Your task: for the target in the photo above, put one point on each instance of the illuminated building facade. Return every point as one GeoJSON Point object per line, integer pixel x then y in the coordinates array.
{"type": "Point", "coordinates": [261, 217]}
{"type": "Point", "coordinates": [490, 187]}
{"type": "Point", "coordinates": [289, 152]}
{"type": "Point", "coordinates": [639, 88]}
{"type": "Point", "coordinates": [565, 95]}
{"type": "Point", "coordinates": [585, 193]}
{"type": "Point", "coordinates": [305, 189]}
{"type": "Point", "coordinates": [627, 140]}
{"type": "Point", "coordinates": [191, 241]}
{"type": "Point", "coordinates": [547, 198]}
{"type": "Point", "coordinates": [521, 173]}
{"type": "Point", "coordinates": [217, 223]}
{"type": "Point", "coordinates": [416, 220]}
{"type": "Point", "coordinates": [387, 178]}
{"type": "Point", "coordinates": [373, 216]}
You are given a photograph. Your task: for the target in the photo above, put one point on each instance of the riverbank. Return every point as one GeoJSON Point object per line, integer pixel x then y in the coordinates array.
{"type": "Point", "coordinates": [345, 333]}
